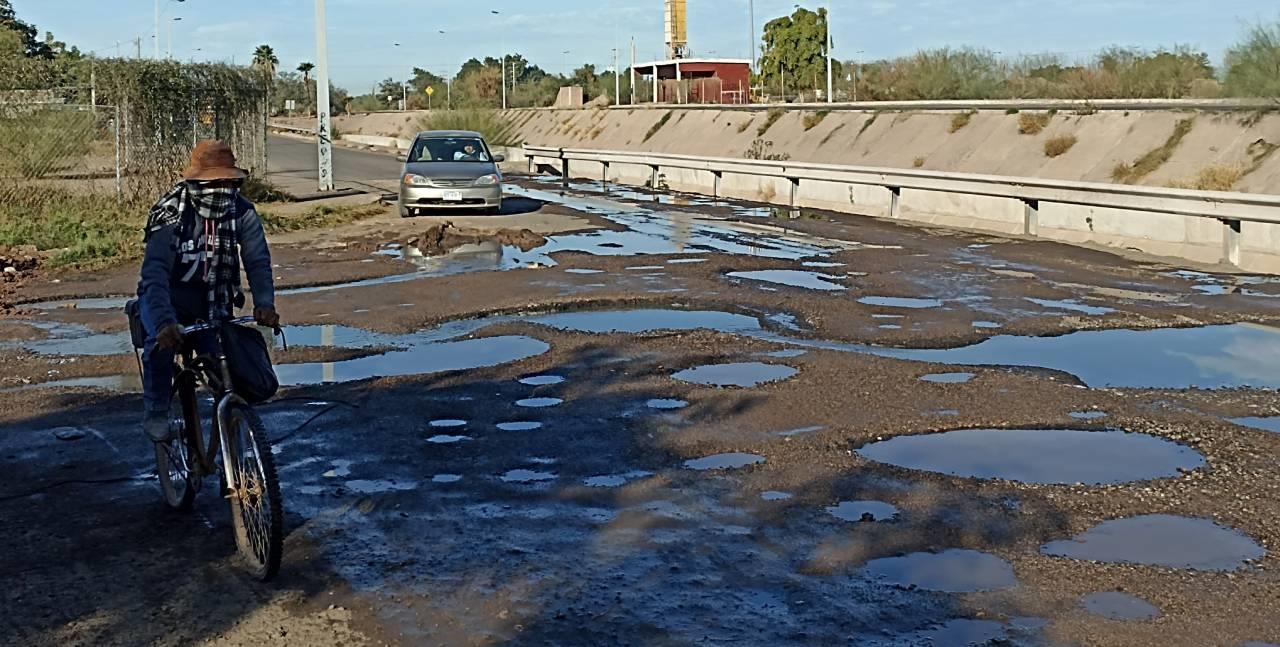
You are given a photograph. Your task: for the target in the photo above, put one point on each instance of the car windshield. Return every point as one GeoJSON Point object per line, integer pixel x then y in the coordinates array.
{"type": "Point", "coordinates": [449, 149]}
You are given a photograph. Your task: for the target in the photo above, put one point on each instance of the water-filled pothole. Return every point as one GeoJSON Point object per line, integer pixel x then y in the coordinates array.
{"type": "Point", "coordinates": [614, 480]}
{"type": "Point", "coordinates": [951, 571]}
{"type": "Point", "coordinates": [1161, 540]}
{"type": "Point", "coordinates": [775, 495]}
{"type": "Point", "coordinates": [900, 302]}
{"type": "Point", "coordinates": [527, 476]}
{"type": "Point", "coordinates": [746, 374]}
{"type": "Point", "coordinates": [1119, 606]}
{"type": "Point", "coordinates": [1071, 305]}
{"type": "Point", "coordinates": [863, 511]}
{"type": "Point", "coordinates": [644, 321]}
{"type": "Point", "coordinates": [446, 478]}
{"type": "Point", "coordinates": [666, 404]}
{"type": "Point", "coordinates": [542, 380]}
{"type": "Point", "coordinates": [724, 461]}
{"type": "Point", "coordinates": [418, 359]}
{"type": "Point", "coordinates": [1088, 415]}
{"type": "Point", "coordinates": [447, 424]}
{"type": "Point", "coordinates": [539, 403]}
{"type": "Point", "coordinates": [1045, 456]}
{"type": "Point", "coordinates": [794, 278]}
{"type": "Point", "coordinates": [948, 378]}
{"type": "Point", "coordinates": [519, 426]}
{"type": "Point", "coordinates": [444, 439]}
{"type": "Point", "coordinates": [1271, 424]}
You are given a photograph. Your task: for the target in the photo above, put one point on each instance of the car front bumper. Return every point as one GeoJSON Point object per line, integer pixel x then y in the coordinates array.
{"type": "Point", "coordinates": [426, 197]}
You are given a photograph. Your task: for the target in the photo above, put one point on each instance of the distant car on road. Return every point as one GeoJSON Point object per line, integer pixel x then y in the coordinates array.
{"type": "Point", "coordinates": [450, 169]}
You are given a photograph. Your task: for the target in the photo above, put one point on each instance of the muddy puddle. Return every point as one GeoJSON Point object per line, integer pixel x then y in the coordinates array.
{"type": "Point", "coordinates": [1115, 605]}
{"type": "Point", "coordinates": [863, 511]}
{"type": "Point", "coordinates": [730, 461]}
{"type": "Point", "coordinates": [901, 302]}
{"type": "Point", "coordinates": [1161, 540]}
{"type": "Point", "coordinates": [539, 403]}
{"type": "Point", "coordinates": [1071, 305]}
{"type": "Point", "coordinates": [519, 426]}
{"type": "Point", "coordinates": [948, 378]}
{"type": "Point", "coordinates": [950, 571]}
{"type": "Point", "coordinates": [794, 278]}
{"type": "Point", "coordinates": [542, 380]}
{"type": "Point", "coordinates": [645, 321]}
{"type": "Point", "coordinates": [745, 374]}
{"type": "Point", "coordinates": [1265, 424]}
{"type": "Point", "coordinates": [666, 404]}
{"type": "Point", "coordinates": [1044, 456]}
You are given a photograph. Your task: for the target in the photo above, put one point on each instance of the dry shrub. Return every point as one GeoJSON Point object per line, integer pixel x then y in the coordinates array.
{"type": "Point", "coordinates": [812, 119]}
{"type": "Point", "coordinates": [1032, 123]}
{"type": "Point", "coordinates": [774, 115]}
{"type": "Point", "coordinates": [961, 120]}
{"type": "Point", "coordinates": [918, 162]}
{"type": "Point", "coordinates": [1059, 145]}
{"type": "Point", "coordinates": [1217, 177]}
{"type": "Point", "coordinates": [1154, 159]}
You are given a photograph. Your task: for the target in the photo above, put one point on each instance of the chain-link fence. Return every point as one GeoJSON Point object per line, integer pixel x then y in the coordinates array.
{"type": "Point", "coordinates": [52, 149]}
{"type": "Point", "coordinates": [120, 128]}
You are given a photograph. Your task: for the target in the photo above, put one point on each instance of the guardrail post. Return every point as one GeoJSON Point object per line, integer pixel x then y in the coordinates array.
{"type": "Point", "coordinates": [895, 197]}
{"type": "Point", "coordinates": [564, 172]}
{"type": "Point", "coordinates": [715, 185]}
{"type": "Point", "coordinates": [1031, 217]}
{"type": "Point", "coordinates": [604, 176]}
{"type": "Point", "coordinates": [1231, 242]}
{"type": "Point", "coordinates": [653, 180]}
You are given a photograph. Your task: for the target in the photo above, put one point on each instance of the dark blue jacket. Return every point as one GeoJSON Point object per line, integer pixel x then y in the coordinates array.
{"type": "Point", "coordinates": [172, 288]}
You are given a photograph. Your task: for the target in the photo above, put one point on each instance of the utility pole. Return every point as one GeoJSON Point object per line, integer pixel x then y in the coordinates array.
{"type": "Point", "coordinates": [323, 132]}
{"type": "Point", "coordinates": [830, 95]}
{"type": "Point", "coordinates": [156, 37]}
{"type": "Point", "coordinates": [617, 80]}
{"type": "Point", "coordinates": [633, 70]}
{"type": "Point", "coordinates": [751, 11]}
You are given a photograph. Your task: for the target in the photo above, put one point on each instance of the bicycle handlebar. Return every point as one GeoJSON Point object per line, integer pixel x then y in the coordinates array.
{"type": "Point", "coordinates": [200, 327]}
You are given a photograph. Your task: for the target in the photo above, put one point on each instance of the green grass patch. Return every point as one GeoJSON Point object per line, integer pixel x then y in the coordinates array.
{"type": "Point", "coordinates": [84, 231]}
{"type": "Point", "coordinates": [321, 216]}
{"type": "Point", "coordinates": [1147, 164]}
{"type": "Point", "coordinates": [772, 118]}
{"type": "Point", "coordinates": [261, 190]}
{"type": "Point", "coordinates": [656, 127]}
{"type": "Point", "coordinates": [812, 119]}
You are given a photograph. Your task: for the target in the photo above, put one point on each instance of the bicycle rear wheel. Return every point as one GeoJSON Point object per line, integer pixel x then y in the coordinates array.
{"type": "Point", "coordinates": [256, 512]}
{"type": "Point", "coordinates": [176, 462]}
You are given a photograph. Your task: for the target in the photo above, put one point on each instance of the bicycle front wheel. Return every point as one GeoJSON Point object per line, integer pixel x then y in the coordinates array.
{"type": "Point", "coordinates": [176, 460]}
{"type": "Point", "coordinates": [254, 491]}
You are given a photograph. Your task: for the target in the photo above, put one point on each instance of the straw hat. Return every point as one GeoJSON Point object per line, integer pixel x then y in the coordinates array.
{"type": "Point", "coordinates": [213, 160]}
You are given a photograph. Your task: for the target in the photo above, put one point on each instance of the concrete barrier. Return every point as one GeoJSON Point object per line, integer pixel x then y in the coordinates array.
{"type": "Point", "coordinates": [1239, 229]}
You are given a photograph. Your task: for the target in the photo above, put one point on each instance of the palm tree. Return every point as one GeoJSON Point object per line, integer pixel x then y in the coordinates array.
{"type": "Point", "coordinates": [264, 58]}
{"type": "Point", "coordinates": [305, 67]}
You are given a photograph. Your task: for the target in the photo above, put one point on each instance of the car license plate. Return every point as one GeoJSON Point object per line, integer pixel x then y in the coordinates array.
{"type": "Point", "coordinates": [453, 196]}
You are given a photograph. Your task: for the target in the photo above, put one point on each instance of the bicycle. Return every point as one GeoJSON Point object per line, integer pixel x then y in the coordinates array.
{"type": "Point", "coordinates": [237, 436]}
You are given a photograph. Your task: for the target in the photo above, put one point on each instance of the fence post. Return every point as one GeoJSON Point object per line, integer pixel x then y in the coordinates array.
{"type": "Point", "coordinates": [895, 198]}
{"type": "Point", "coordinates": [116, 128]}
{"type": "Point", "coordinates": [1231, 242]}
{"type": "Point", "coordinates": [604, 176]}
{"type": "Point", "coordinates": [1031, 217]}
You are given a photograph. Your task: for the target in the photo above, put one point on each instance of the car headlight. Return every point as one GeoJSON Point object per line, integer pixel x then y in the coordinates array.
{"type": "Point", "coordinates": [416, 180]}
{"type": "Point", "coordinates": [486, 180]}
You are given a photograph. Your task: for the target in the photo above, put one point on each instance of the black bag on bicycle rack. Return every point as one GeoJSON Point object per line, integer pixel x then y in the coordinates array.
{"type": "Point", "coordinates": [137, 334]}
{"type": "Point", "coordinates": [249, 359]}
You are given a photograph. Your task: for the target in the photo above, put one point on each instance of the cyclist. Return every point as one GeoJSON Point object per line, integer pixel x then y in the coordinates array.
{"type": "Point", "coordinates": [191, 270]}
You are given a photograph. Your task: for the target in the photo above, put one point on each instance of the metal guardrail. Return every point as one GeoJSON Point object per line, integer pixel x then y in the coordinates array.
{"type": "Point", "coordinates": [1229, 208]}
{"type": "Point", "coordinates": [291, 129]}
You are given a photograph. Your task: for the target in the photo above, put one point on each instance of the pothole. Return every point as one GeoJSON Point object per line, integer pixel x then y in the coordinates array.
{"type": "Point", "coordinates": [863, 511]}
{"type": "Point", "coordinates": [1119, 606]}
{"type": "Point", "coordinates": [794, 278]}
{"type": "Point", "coordinates": [1043, 456]}
{"type": "Point", "coordinates": [1161, 540]}
{"type": "Point", "coordinates": [951, 571]}
{"type": "Point", "coordinates": [745, 375]}
{"type": "Point", "coordinates": [728, 461]}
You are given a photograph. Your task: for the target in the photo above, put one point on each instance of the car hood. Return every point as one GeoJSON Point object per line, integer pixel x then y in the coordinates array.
{"type": "Point", "coordinates": [450, 170]}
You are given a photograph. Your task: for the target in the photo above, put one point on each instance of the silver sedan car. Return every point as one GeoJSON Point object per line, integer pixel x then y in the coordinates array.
{"type": "Point", "coordinates": [450, 169]}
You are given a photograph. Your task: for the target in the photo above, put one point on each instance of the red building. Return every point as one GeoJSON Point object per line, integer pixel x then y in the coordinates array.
{"type": "Point", "coordinates": [696, 80]}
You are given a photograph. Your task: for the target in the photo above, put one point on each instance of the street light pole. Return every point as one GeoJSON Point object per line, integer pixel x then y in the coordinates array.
{"type": "Point", "coordinates": [324, 138]}
{"type": "Point", "coordinates": [830, 94]}
{"type": "Point", "coordinates": [504, 63]}
{"type": "Point", "coordinates": [169, 44]}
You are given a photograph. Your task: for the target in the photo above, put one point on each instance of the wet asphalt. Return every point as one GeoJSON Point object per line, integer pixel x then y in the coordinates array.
{"type": "Point", "coordinates": [699, 423]}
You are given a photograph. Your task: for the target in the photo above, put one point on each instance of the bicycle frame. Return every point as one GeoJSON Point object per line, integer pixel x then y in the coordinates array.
{"type": "Point", "coordinates": [215, 374]}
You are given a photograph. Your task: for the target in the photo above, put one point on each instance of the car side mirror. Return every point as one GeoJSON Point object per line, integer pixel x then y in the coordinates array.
{"type": "Point", "coordinates": [498, 159]}
{"type": "Point", "coordinates": [402, 158]}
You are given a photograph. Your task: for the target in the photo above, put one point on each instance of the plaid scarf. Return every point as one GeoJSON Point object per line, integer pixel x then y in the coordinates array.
{"type": "Point", "coordinates": [215, 210]}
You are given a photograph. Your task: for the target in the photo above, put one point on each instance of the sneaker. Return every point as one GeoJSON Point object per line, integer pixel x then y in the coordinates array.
{"type": "Point", "coordinates": [155, 424]}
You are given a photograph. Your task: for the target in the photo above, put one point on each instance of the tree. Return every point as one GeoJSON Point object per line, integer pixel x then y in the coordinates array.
{"type": "Point", "coordinates": [1253, 65]}
{"type": "Point", "coordinates": [793, 46]}
{"type": "Point", "coordinates": [32, 46]}
{"type": "Point", "coordinates": [305, 68]}
{"type": "Point", "coordinates": [264, 58]}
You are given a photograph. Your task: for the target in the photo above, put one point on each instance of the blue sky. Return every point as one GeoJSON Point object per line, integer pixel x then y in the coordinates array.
{"type": "Point", "coordinates": [364, 33]}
